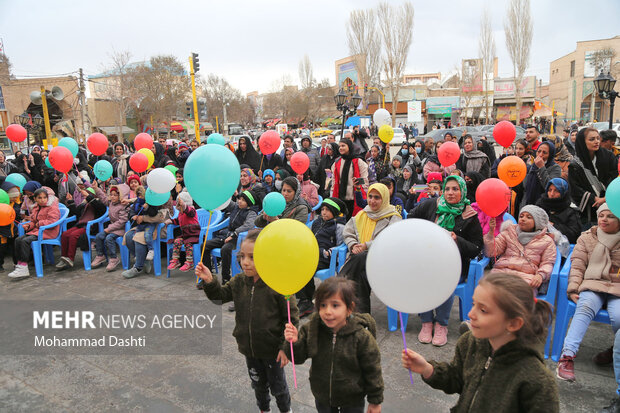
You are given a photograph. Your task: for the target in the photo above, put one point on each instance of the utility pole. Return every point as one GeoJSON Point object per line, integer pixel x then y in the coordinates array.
{"type": "Point", "coordinates": [46, 117]}
{"type": "Point", "coordinates": [82, 103]}
{"type": "Point", "coordinates": [194, 66]}
{"type": "Point", "coordinates": [225, 120]}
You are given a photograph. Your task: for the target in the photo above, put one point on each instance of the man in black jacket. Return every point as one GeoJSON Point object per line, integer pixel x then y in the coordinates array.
{"type": "Point", "coordinates": [359, 141]}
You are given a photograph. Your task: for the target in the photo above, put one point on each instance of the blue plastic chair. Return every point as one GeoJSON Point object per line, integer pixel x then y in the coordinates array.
{"type": "Point", "coordinates": [235, 268]}
{"type": "Point", "coordinates": [333, 263]}
{"type": "Point", "coordinates": [343, 252]}
{"type": "Point", "coordinates": [46, 245]}
{"type": "Point", "coordinates": [508, 217]}
{"type": "Point", "coordinates": [309, 223]}
{"type": "Point", "coordinates": [565, 311]}
{"type": "Point", "coordinates": [217, 252]}
{"type": "Point", "coordinates": [464, 291]}
{"type": "Point", "coordinates": [87, 255]}
{"type": "Point", "coordinates": [123, 250]}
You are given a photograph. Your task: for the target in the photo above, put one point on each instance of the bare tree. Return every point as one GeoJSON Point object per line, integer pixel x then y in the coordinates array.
{"type": "Point", "coordinates": [486, 53]}
{"type": "Point", "coordinates": [220, 93]}
{"type": "Point", "coordinates": [396, 25]}
{"type": "Point", "coordinates": [364, 41]}
{"type": "Point", "coordinates": [601, 61]}
{"type": "Point", "coordinates": [470, 83]}
{"type": "Point", "coordinates": [306, 76]}
{"type": "Point", "coordinates": [5, 69]}
{"type": "Point", "coordinates": [518, 28]}
{"type": "Point", "coordinates": [118, 87]}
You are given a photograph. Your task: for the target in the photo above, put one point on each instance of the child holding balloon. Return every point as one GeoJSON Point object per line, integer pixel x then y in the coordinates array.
{"type": "Point", "coordinates": [190, 231]}
{"type": "Point", "coordinates": [346, 361]}
{"type": "Point", "coordinates": [105, 241]}
{"type": "Point", "coordinates": [498, 366]}
{"type": "Point", "coordinates": [259, 321]}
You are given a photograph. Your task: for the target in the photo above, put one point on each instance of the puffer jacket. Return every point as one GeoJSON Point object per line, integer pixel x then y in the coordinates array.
{"type": "Point", "coordinates": [328, 234]}
{"type": "Point", "coordinates": [346, 366]}
{"type": "Point", "coordinates": [46, 215]}
{"type": "Point", "coordinates": [537, 257]}
{"type": "Point", "coordinates": [118, 213]}
{"type": "Point", "coordinates": [189, 224]}
{"type": "Point", "coordinates": [609, 283]}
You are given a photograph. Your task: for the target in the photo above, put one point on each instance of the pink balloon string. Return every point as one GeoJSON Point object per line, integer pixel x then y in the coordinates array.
{"type": "Point", "coordinates": [402, 330]}
{"type": "Point", "coordinates": [288, 308]}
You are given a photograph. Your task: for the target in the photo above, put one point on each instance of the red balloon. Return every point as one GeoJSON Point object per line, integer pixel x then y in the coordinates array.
{"type": "Point", "coordinates": [504, 133]}
{"type": "Point", "coordinates": [16, 133]}
{"type": "Point", "coordinates": [300, 162]}
{"type": "Point", "coordinates": [138, 162]}
{"type": "Point", "coordinates": [269, 142]}
{"type": "Point", "coordinates": [493, 197]}
{"type": "Point", "coordinates": [7, 214]}
{"type": "Point", "coordinates": [97, 144]}
{"type": "Point", "coordinates": [448, 153]}
{"type": "Point", "coordinates": [143, 140]}
{"type": "Point", "coordinates": [61, 159]}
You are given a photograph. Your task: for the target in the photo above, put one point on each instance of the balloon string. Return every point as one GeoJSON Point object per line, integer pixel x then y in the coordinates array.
{"type": "Point", "coordinates": [204, 242]}
{"type": "Point", "coordinates": [288, 308]}
{"type": "Point", "coordinates": [402, 329]}
{"type": "Point", "coordinates": [260, 168]}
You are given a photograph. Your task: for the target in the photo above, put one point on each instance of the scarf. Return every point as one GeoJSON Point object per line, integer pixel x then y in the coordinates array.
{"type": "Point", "coordinates": [526, 237]}
{"type": "Point", "coordinates": [474, 160]}
{"type": "Point", "coordinates": [599, 263]}
{"type": "Point", "coordinates": [366, 220]}
{"type": "Point", "coordinates": [447, 213]}
{"type": "Point", "coordinates": [346, 166]}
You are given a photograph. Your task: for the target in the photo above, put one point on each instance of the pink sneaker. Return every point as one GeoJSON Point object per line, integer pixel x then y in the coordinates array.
{"type": "Point", "coordinates": [112, 264]}
{"type": "Point", "coordinates": [426, 333]}
{"type": "Point", "coordinates": [174, 264]}
{"type": "Point", "coordinates": [99, 259]}
{"type": "Point", "coordinates": [187, 266]}
{"type": "Point", "coordinates": [440, 338]}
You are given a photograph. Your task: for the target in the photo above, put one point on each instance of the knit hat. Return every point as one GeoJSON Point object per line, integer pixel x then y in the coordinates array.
{"type": "Point", "coordinates": [283, 173]}
{"type": "Point", "coordinates": [114, 188]}
{"type": "Point", "coordinates": [398, 158]}
{"type": "Point", "coordinates": [541, 219]}
{"type": "Point", "coordinates": [133, 177]}
{"type": "Point", "coordinates": [560, 184]}
{"type": "Point", "coordinates": [84, 176]}
{"type": "Point", "coordinates": [186, 198]}
{"type": "Point", "coordinates": [250, 197]}
{"type": "Point", "coordinates": [269, 172]}
{"type": "Point", "coordinates": [183, 145]}
{"type": "Point", "coordinates": [335, 205]}
{"type": "Point", "coordinates": [602, 208]}
{"type": "Point", "coordinates": [31, 186]}
{"type": "Point", "coordinates": [434, 176]}
{"type": "Point", "coordinates": [91, 190]}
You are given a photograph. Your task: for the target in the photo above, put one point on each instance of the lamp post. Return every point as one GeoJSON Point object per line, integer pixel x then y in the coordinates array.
{"type": "Point", "coordinates": [348, 107]}
{"type": "Point", "coordinates": [604, 85]}
{"type": "Point", "coordinates": [24, 120]}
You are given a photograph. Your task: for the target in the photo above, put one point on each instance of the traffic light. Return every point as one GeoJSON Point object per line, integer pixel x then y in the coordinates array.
{"type": "Point", "coordinates": [189, 110]}
{"type": "Point", "coordinates": [202, 109]}
{"type": "Point", "coordinates": [195, 62]}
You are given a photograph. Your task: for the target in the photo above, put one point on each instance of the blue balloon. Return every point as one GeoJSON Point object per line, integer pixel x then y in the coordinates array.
{"type": "Point", "coordinates": [211, 175]}
{"type": "Point", "coordinates": [103, 170]}
{"type": "Point", "coordinates": [70, 144]}
{"type": "Point", "coordinates": [155, 199]}
{"type": "Point", "coordinates": [612, 196]}
{"type": "Point", "coordinates": [274, 204]}
{"type": "Point", "coordinates": [216, 138]}
{"type": "Point", "coordinates": [18, 180]}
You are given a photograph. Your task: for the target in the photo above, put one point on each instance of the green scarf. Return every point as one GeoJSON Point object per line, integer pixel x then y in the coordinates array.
{"type": "Point", "coordinates": [447, 213]}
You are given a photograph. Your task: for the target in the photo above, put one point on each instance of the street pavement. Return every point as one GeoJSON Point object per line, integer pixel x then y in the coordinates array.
{"type": "Point", "coordinates": [200, 383]}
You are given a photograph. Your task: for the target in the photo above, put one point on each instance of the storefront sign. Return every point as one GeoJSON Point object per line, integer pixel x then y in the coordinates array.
{"type": "Point", "coordinates": [439, 109]}
{"type": "Point", "coordinates": [505, 88]}
{"type": "Point", "coordinates": [414, 111]}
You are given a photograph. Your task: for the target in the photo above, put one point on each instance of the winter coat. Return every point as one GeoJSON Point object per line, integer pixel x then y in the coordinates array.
{"type": "Point", "coordinates": [309, 189]}
{"type": "Point", "coordinates": [188, 222]}
{"type": "Point", "coordinates": [119, 215]}
{"type": "Point", "coordinates": [351, 237]}
{"type": "Point", "coordinates": [240, 220]}
{"type": "Point", "coordinates": [512, 379]}
{"type": "Point", "coordinates": [564, 218]}
{"type": "Point", "coordinates": [274, 163]}
{"type": "Point", "coordinates": [468, 232]}
{"type": "Point", "coordinates": [328, 235]}
{"type": "Point", "coordinates": [93, 208]}
{"type": "Point", "coordinates": [313, 156]}
{"type": "Point", "coordinates": [46, 215]}
{"type": "Point", "coordinates": [476, 161]}
{"type": "Point", "coordinates": [609, 283]}
{"type": "Point", "coordinates": [260, 314]}
{"type": "Point", "coordinates": [346, 366]}
{"type": "Point", "coordinates": [539, 177]}
{"type": "Point", "coordinates": [363, 168]}
{"type": "Point", "coordinates": [535, 258]}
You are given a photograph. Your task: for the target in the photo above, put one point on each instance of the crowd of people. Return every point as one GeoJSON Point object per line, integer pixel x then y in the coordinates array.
{"type": "Point", "coordinates": [363, 190]}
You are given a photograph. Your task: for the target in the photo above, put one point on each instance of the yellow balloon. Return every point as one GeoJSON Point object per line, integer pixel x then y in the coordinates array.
{"type": "Point", "coordinates": [149, 155]}
{"type": "Point", "coordinates": [386, 133]}
{"type": "Point", "coordinates": [286, 255]}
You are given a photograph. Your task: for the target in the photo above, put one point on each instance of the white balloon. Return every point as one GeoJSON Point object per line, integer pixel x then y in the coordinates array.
{"type": "Point", "coordinates": [402, 271]}
{"type": "Point", "coordinates": [382, 117]}
{"type": "Point", "coordinates": [224, 205]}
{"type": "Point", "coordinates": [161, 180]}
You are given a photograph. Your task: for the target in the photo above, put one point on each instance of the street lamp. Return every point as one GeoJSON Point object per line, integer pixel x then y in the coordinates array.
{"type": "Point", "coordinates": [25, 120]}
{"type": "Point", "coordinates": [348, 107]}
{"type": "Point", "coordinates": [604, 85]}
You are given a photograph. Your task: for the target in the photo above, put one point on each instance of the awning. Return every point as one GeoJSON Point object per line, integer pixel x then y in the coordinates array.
{"type": "Point", "coordinates": [113, 130]}
{"type": "Point", "coordinates": [177, 126]}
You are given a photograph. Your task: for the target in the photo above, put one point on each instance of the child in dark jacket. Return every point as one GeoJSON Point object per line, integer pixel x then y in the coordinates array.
{"type": "Point", "coordinates": [8, 233]}
{"type": "Point", "coordinates": [105, 241]}
{"type": "Point", "coordinates": [190, 232]}
{"type": "Point", "coordinates": [259, 321]}
{"type": "Point", "coordinates": [498, 366]}
{"type": "Point", "coordinates": [346, 362]}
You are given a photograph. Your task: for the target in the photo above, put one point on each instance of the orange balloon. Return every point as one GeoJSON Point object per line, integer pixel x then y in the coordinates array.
{"type": "Point", "coordinates": [7, 214]}
{"type": "Point", "coordinates": [512, 170]}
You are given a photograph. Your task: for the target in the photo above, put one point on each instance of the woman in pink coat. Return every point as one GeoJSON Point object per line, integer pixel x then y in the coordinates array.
{"type": "Point", "coordinates": [526, 249]}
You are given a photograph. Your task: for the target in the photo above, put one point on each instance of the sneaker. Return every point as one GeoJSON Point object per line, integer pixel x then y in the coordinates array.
{"type": "Point", "coordinates": [305, 308]}
{"type": "Point", "coordinates": [604, 358]}
{"type": "Point", "coordinates": [187, 266]}
{"type": "Point", "coordinates": [614, 407]}
{"type": "Point", "coordinates": [148, 266]}
{"type": "Point", "coordinates": [62, 264]}
{"type": "Point", "coordinates": [112, 264]}
{"type": "Point", "coordinates": [231, 307]}
{"type": "Point", "coordinates": [20, 271]}
{"type": "Point", "coordinates": [132, 272]}
{"type": "Point", "coordinates": [174, 264]}
{"type": "Point", "coordinates": [464, 327]}
{"type": "Point", "coordinates": [149, 255]}
{"type": "Point", "coordinates": [440, 337]}
{"type": "Point", "coordinates": [98, 261]}
{"type": "Point", "coordinates": [566, 368]}
{"type": "Point", "coordinates": [426, 333]}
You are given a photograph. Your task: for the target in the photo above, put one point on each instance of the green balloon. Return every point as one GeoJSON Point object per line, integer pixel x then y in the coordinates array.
{"type": "Point", "coordinates": [4, 197]}
{"type": "Point", "coordinates": [70, 144]}
{"type": "Point", "coordinates": [47, 163]}
{"type": "Point", "coordinates": [172, 169]}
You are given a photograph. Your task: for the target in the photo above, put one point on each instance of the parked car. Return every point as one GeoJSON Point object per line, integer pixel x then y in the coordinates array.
{"type": "Point", "coordinates": [234, 140]}
{"type": "Point", "coordinates": [399, 137]}
{"type": "Point", "coordinates": [320, 132]}
{"type": "Point", "coordinates": [487, 132]}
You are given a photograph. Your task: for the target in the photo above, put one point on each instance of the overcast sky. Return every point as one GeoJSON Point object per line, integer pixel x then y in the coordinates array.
{"type": "Point", "coordinates": [252, 43]}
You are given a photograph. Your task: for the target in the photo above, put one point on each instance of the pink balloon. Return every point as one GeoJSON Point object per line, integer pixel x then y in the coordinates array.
{"type": "Point", "coordinates": [143, 140]}
{"type": "Point", "coordinates": [493, 197]}
{"type": "Point", "coordinates": [138, 162]}
{"type": "Point", "coordinates": [300, 162]}
{"type": "Point", "coordinates": [97, 144]}
{"type": "Point", "coordinates": [61, 159]}
{"type": "Point", "coordinates": [504, 133]}
{"type": "Point", "coordinates": [448, 153]}
{"type": "Point", "coordinates": [16, 133]}
{"type": "Point", "coordinates": [269, 142]}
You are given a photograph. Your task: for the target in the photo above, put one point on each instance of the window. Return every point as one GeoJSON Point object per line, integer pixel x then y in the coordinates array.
{"type": "Point", "coordinates": [572, 68]}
